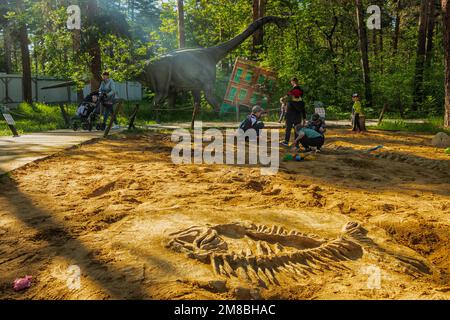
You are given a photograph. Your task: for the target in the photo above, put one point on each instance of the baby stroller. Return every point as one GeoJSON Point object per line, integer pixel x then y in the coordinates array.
{"type": "Point", "coordinates": [88, 113]}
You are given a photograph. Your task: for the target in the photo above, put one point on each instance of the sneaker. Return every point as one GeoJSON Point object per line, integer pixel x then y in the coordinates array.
{"type": "Point", "coordinates": [284, 144]}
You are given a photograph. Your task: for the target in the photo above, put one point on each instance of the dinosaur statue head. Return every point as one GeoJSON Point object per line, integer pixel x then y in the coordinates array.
{"type": "Point", "coordinates": [281, 22]}
{"type": "Point", "coordinates": [221, 50]}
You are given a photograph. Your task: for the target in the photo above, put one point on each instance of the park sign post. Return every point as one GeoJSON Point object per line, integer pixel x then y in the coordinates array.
{"type": "Point", "coordinates": [9, 120]}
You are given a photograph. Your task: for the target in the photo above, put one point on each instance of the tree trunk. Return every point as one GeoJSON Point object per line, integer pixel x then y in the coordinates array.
{"type": "Point", "coordinates": [376, 56]}
{"type": "Point", "coordinates": [430, 31]}
{"type": "Point", "coordinates": [259, 8]}
{"type": "Point", "coordinates": [362, 37]}
{"type": "Point", "coordinates": [95, 66]}
{"type": "Point", "coordinates": [420, 56]}
{"type": "Point", "coordinates": [446, 23]}
{"type": "Point", "coordinates": [7, 45]}
{"type": "Point", "coordinates": [224, 62]}
{"type": "Point", "coordinates": [94, 47]}
{"type": "Point", "coordinates": [15, 56]}
{"type": "Point", "coordinates": [26, 64]}
{"type": "Point", "coordinates": [383, 111]}
{"type": "Point", "coordinates": [396, 32]}
{"type": "Point", "coordinates": [76, 53]}
{"type": "Point", "coordinates": [381, 51]}
{"type": "Point", "coordinates": [132, 8]}
{"type": "Point", "coordinates": [375, 43]}
{"type": "Point", "coordinates": [381, 38]}
{"type": "Point", "coordinates": [181, 30]}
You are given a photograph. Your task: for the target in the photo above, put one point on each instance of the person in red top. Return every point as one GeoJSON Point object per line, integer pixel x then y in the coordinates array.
{"type": "Point", "coordinates": [296, 113]}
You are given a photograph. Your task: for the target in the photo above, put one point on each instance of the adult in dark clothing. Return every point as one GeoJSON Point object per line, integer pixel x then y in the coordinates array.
{"type": "Point", "coordinates": [296, 113]}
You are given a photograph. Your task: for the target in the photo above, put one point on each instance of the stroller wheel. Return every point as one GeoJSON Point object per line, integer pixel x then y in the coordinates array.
{"type": "Point", "coordinates": [75, 126]}
{"type": "Point", "coordinates": [85, 126]}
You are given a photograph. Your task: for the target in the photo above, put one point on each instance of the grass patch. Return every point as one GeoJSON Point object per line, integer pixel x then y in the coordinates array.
{"type": "Point", "coordinates": [432, 125]}
{"type": "Point", "coordinates": [36, 118]}
{"type": "Point", "coordinates": [41, 117]}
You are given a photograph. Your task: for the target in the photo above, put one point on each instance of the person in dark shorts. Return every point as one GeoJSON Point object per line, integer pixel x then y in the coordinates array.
{"type": "Point", "coordinates": [308, 138]}
{"type": "Point", "coordinates": [296, 113]}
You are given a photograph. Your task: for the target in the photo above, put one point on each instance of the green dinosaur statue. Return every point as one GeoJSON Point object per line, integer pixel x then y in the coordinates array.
{"type": "Point", "coordinates": [194, 69]}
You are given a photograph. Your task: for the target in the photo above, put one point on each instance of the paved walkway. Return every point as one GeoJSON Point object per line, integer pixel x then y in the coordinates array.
{"type": "Point", "coordinates": [16, 152]}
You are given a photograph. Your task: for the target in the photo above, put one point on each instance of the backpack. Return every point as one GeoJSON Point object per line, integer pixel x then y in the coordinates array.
{"type": "Point", "coordinates": [246, 124]}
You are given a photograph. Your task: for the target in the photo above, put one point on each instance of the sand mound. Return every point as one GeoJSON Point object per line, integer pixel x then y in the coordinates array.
{"type": "Point", "coordinates": [441, 140]}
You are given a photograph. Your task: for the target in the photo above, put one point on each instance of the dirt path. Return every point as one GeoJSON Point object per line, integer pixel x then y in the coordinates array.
{"type": "Point", "coordinates": [268, 124]}
{"type": "Point", "coordinates": [345, 225]}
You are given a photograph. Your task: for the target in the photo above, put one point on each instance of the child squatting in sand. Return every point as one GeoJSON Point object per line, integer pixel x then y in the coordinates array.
{"type": "Point", "coordinates": [308, 138]}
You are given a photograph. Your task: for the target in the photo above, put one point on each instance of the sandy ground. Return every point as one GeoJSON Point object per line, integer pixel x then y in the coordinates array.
{"type": "Point", "coordinates": [346, 225]}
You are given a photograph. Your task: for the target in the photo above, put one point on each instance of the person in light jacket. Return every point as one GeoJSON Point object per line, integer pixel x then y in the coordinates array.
{"type": "Point", "coordinates": [107, 93]}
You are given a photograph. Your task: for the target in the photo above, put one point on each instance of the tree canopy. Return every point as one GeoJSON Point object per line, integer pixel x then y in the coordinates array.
{"type": "Point", "coordinates": [320, 45]}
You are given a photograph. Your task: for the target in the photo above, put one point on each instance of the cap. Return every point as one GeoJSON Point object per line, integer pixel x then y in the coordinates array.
{"type": "Point", "coordinates": [257, 109]}
{"type": "Point", "coordinates": [355, 95]}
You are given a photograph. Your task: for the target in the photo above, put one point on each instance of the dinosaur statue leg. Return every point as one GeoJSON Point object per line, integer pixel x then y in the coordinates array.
{"type": "Point", "coordinates": [172, 98]}
{"type": "Point", "coordinates": [209, 96]}
{"type": "Point", "coordinates": [197, 96]}
{"type": "Point", "coordinates": [161, 87]}
{"type": "Point", "coordinates": [157, 100]}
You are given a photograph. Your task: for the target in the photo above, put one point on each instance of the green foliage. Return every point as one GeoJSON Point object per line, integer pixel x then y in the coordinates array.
{"type": "Point", "coordinates": [319, 46]}
{"type": "Point", "coordinates": [36, 118]}
{"type": "Point", "coordinates": [432, 125]}
{"type": "Point", "coordinates": [122, 62]}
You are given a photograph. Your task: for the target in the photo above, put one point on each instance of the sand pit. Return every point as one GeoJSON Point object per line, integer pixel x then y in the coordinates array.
{"type": "Point", "coordinates": [346, 225]}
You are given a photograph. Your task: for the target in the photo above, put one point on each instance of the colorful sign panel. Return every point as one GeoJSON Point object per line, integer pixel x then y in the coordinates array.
{"type": "Point", "coordinates": [249, 84]}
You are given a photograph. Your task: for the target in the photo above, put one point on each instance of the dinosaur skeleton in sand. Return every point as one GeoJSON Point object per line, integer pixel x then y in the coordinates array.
{"type": "Point", "coordinates": [265, 255]}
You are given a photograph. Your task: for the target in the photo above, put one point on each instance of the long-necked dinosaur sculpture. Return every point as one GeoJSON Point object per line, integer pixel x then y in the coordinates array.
{"type": "Point", "coordinates": [194, 69]}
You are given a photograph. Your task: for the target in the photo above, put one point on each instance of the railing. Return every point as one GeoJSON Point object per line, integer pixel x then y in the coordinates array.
{"type": "Point", "coordinates": [11, 90]}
